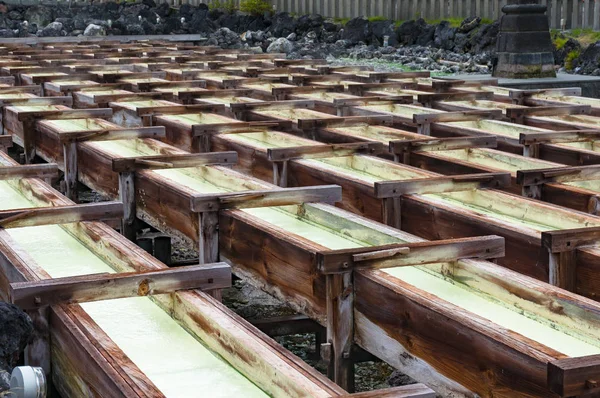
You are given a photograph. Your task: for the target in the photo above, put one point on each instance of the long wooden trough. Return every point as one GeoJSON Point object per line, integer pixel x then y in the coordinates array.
{"type": "Point", "coordinates": [243, 156]}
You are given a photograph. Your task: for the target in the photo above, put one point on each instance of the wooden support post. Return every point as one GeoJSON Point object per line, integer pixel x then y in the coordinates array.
{"type": "Point", "coordinates": [37, 352]}
{"type": "Point", "coordinates": [562, 248]}
{"type": "Point", "coordinates": [340, 329]}
{"type": "Point", "coordinates": [575, 377]}
{"type": "Point", "coordinates": [280, 173]}
{"type": "Point", "coordinates": [5, 142]}
{"type": "Point", "coordinates": [208, 242]}
{"type": "Point", "coordinates": [29, 140]}
{"type": "Point", "coordinates": [71, 169]}
{"type": "Point", "coordinates": [127, 197]}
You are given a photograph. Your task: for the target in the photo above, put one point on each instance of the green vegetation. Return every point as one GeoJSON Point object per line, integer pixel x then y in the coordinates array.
{"type": "Point", "coordinates": [559, 42]}
{"type": "Point", "coordinates": [585, 37]}
{"type": "Point", "coordinates": [377, 19]}
{"type": "Point", "coordinates": [341, 21]}
{"type": "Point", "coordinates": [454, 22]}
{"type": "Point", "coordinates": [572, 56]}
{"type": "Point", "coordinates": [226, 5]}
{"type": "Point", "coordinates": [255, 7]}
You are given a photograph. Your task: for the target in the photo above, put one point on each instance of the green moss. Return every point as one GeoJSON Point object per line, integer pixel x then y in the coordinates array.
{"type": "Point", "coordinates": [377, 18]}
{"type": "Point", "coordinates": [256, 7]}
{"type": "Point", "coordinates": [572, 56]}
{"type": "Point", "coordinates": [226, 5]}
{"type": "Point", "coordinates": [559, 42]}
{"type": "Point", "coordinates": [486, 21]}
{"type": "Point", "coordinates": [342, 21]}
{"type": "Point", "coordinates": [454, 22]}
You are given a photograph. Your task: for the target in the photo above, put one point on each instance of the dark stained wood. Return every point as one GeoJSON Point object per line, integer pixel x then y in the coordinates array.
{"type": "Point", "coordinates": [78, 289]}
{"type": "Point", "coordinates": [28, 171]}
{"type": "Point", "coordinates": [29, 217]}
{"type": "Point", "coordinates": [323, 151]}
{"type": "Point", "coordinates": [410, 391]}
{"type": "Point", "coordinates": [387, 189]}
{"type": "Point", "coordinates": [570, 377]}
{"type": "Point", "coordinates": [173, 161]}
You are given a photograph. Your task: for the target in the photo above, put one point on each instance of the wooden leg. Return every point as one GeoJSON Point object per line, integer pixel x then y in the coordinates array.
{"type": "Point", "coordinates": [127, 196]}
{"type": "Point", "coordinates": [37, 353]}
{"type": "Point", "coordinates": [563, 267]}
{"type": "Point", "coordinates": [203, 143]}
{"type": "Point", "coordinates": [531, 151]}
{"type": "Point", "coordinates": [147, 120]}
{"type": "Point", "coordinates": [340, 329]}
{"type": "Point", "coordinates": [70, 159]}
{"type": "Point", "coordinates": [424, 129]}
{"type": "Point", "coordinates": [280, 173]}
{"type": "Point", "coordinates": [29, 140]}
{"type": "Point", "coordinates": [391, 212]}
{"type": "Point", "coordinates": [208, 226]}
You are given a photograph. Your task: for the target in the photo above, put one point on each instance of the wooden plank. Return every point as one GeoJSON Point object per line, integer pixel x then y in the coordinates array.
{"type": "Point", "coordinates": [112, 134]}
{"type": "Point", "coordinates": [518, 95]}
{"type": "Point", "coordinates": [409, 391]}
{"type": "Point", "coordinates": [64, 114]}
{"type": "Point", "coordinates": [428, 99]}
{"type": "Point", "coordinates": [49, 170]}
{"type": "Point", "coordinates": [348, 121]}
{"type": "Point", "coordinates": [176, 109]}
{"type": "Point", "coordinates": [95, 287]}
{"type": "Point", "coordinates": [67, 101]}
{"type": "Point", "coordinates": [30, 217]}
{"type": "Point", "coordinates": [324, 151]}
{"type": "Point", "coordinates": [440, 85]}
{"type": "Point", "coordinates": [372, 100]}
{"type": "Point", "coordinates": [571, 377]}
{"type": "Point", "coordinates": [570, 239]}
{"type": "Point", "coordinates": [181, 160]}
{"type": "Point", "coordinates": [400, 147]}
{"type": "Point", "coordinates": [410, 254]}
{"type": "Point", "coordinates": [5, 142]}
{"type": "Point", "coordinates": [71, 170]}
{"type": "Point", "coordinates": [33, 89]}
{"type": "Point", "coordinates": [461, 116]}
{"type": "Point", "coordinates": [267, 198]}
{"type": "Point", "coordinates": [519, 113]}
{"type": "Point", "coordinates": [270, 105]}
{"type": "Point", "coordinates": [127, 197]}
{"type": "Point", "coordinates": [390, 189]}
{"type": "Point", "coordinates": [238, 127]}
{"type": "Point", "coordinates": [557, 137]}
{"type": "Point", "coordinates": [558, 175]}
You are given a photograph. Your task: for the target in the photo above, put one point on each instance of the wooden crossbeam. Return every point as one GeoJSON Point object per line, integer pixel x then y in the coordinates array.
{"type": "Point", "coordinates": [575, 377]}
{"type": "Point", "coordinates": [391, 189]}
{"type": "Point", "coordinates": [127, 97]}
{"type": "Point", "coordinates": [324, 151]}
{"type": "Point", "coordinates": [348, 121]}
{"type": "Point", "coordinates": [557, 137]}
{"type": "Point", "coordinates": [172, 84]}
{"type": "Point", "coordinates": [96, 287]}
{"type": "Point", "coordinates": [35, 89]}
{"type": "Point", "coordinates": [371, 100]}
{"type": "Point", "coordinates": [460, 116]}
{"type": "Point", "coordinates": [265, 198]}
{"type": "Point", "coordinates": [417, 390]}
{"type": "Point", "coordinates": [519, 113]}
{"type": "Point", "coordinates": [410, 254]}
{"type": "Point", "coordinates": [66, 100]}
{"type": "Point", "coordinates": [558, 175]}
{"type": "Point", "coordinates": [568, 91]}
{"type": "Point", "coordinates": [223, 93]}
{"type": "Point", "coordinates": [181, 160]}
{"type": "Point", "coordinates": [30, 217]}
{"type": "Point", "coordinates": [400, 147]}
{"type": "Point", "coordinates": [441, 85]}
{"type": "Point", "coordinates": [177, 109]}
{"type": "Point", "coordinates": [278, 91]}
{"type": "Point", "coordinates": [112, 134]}
{"type": "Point", "coordinates": [428, 99]}
{"type": "Point", "coordinates": [239, 127]}
{"type": "Point", "coordinates": [65, 114]}
{"type": "Point", "coordinates": [258, 106]}
{"type": "Point", "coordinates": [5, 142]}
{"type": "Point", "coordinates": [48, 170]}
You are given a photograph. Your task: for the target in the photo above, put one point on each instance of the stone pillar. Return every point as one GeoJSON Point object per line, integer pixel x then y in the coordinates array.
{"type": "Point", "coordinates": [524, 47]}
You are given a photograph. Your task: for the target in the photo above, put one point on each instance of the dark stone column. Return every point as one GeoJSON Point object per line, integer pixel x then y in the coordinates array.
{"type": "Point", "coordinates": [524, 47]}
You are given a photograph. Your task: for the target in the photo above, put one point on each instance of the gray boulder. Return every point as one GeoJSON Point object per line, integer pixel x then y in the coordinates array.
{"type": "Point", "coordinates": [444, 36]}
{"type": "Point", "coordinates": [16, 330]}
{"type": "Point", "coordinates": [281, 45]}
{"type": "Point", "coordinates": [52, 30]}
{"type": "Point", "coordinates": [39, 15]}
{"type": "Point", "coordinates": [357, 30]}
{"type": "Point", "coordinates": [94, 30]}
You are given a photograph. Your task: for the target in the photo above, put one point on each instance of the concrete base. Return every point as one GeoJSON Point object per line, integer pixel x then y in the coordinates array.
{"type": "Point", "coordinates": [590, 85]}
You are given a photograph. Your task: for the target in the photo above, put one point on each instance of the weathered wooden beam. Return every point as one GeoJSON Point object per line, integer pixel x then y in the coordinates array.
{"type": "Point", "coordinates": [403, 148]}
{"type": "Point", "coordinates": [176, 109]}
{"type": "Point", "coordinates": [30, 217]}
{"type": "Point", "coordinates": [347, 121]}
{"type": "Point", "coordinates": [48, 170]}
{"type": "Point", "coordinates": [575, 377]}
{"type": "Point", "coordinates": [5, 142]}
{"type": "Point", "coordinates": [127, 97]}
{"type": "Point", "coordinates": [417, 390]}
{"type": "Point", "coordinates": [267, 198]}
{"type": "Point", "coordinates": [558, 175]}
{"type": "Point", "coordinates": [371, 100]}
{"type": "Point", "coordinates": [459, 116]}
{"type": "Point", "coordinates": [518, 96]}
{"type": "Point", "coordinates": [281, 91]}
{"type": "Point", "coordinates": [35, 89]}
{"type": "Point", "coordinates": [95, 287]}
{"type": "Point", "coordinates": [442, 85]}
{"type": "Point", "coordinates": [562, 248]}
{"type": "Point", "coordinates": [410, 254]}
{"type": "Point", "coordinates": [65, 114]}
{"type": "Point", "coordinates": [428, 99]}
{"type": "Point", "coordinates": [70, 169]}
{"type": "Point", "coordinates": [258, 106]}
{"type": "Point", "coordinates": [390, 189]}
{"type": "Point", "coordinates": [324, 151]}
{"type": "Point", "coordinates": [182, 160]}
{"type": "Point", "coordinates": [35, 101]}
{"type": "Point", "coordinates": [199, 130]}
{"type": "Point", "coordinates": [112, 134]}
{"type": "Point", "coordinates": [557, 137]}
{"type": "Point", "coordinates": [518, 114]}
